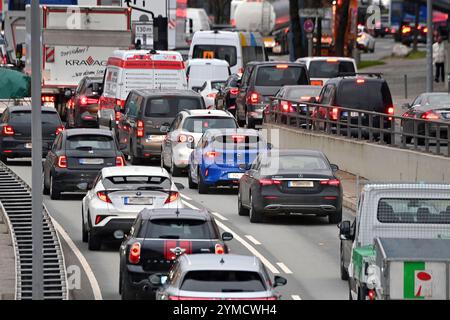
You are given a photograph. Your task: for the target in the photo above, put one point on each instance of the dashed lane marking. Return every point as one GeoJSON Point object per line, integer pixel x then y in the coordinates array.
{"type": "Point", "coordinates": [296, 297]}
{"type": "Point", "coordinates": [218, 215]}
{"type": "Point", "coordinates": [249, 237]}
{"type": "Point", "coordinates": [284, 268]}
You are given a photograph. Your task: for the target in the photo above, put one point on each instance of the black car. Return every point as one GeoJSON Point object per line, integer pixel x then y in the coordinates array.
{"type": "Point", "coordinates": [226, 96]}
{"type": "Point", "coordinates": [76, 157]}
{"type": "Point", "coordinates": [295, 181]}
{"type": "Point", "coordinates": [15, 138]}
{"type": "Point", "coordinates": [431, 107]}
{"type": "Point", "coordinates": [145, 111]}
{"type": "Point", "coordinates": [262, 80]}
{"type": "Point", "coordinates": [82, 108]}
{"type": "Point", "coordinates": [157, 238]}
{"type": "Point", "coordinates": [363, 92]}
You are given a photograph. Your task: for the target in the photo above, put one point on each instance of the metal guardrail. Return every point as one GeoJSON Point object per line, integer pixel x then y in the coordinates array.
{"type": "Point", "coordinates": [15, 201]}
{"type": "Point", "coordinates": [425, 135]}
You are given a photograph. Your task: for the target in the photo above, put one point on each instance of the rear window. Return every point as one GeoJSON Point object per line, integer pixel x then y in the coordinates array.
{"type": "Point", "coordinates": [236, 141]}
{"type": "Point", "coordinates": [410, 210]}
{"type": "Point", "coordinates": [168, 107]}
{"type": "Point", "coordinates": [222, 281]}
{"type": "Point", "coordinates": [179, 229]}
{"type": "Point", "coordinates": [278, 76]}
{"type": "Point", "coordinates": [201, 124]}
{"type": "Point", "coordinates": [326, 69]}
{"type": "Point", "coordinates": [24, 117]}
{"type": "Point", "coordinates": [90, 142]}
{"type": "Point", "coordinates": [296, 163]}
{"type": "Point", "coordinates": [369, 95]}
{"type": "Point", "coordinates": [216, 85]}
{"type": "Point", "coordinates": [208, 72]}
{"type": "Point", "coordinates": [221, 52]}
{"type": "Point", "coordinates": [132, 182]}
{"type": "Point", "coordinates": [300, 93]}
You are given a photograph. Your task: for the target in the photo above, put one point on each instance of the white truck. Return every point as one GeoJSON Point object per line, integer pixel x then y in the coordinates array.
{"type": "Point", "coordinates": [15, 35]}
{"type": "Point", "coordinates": [76, 42]}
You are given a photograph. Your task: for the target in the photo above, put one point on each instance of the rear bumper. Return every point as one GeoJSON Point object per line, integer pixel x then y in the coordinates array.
{"type": "Point", "coordinates": [219, 176]}
{"type": "Point", "coordinates": [13, 148]}
{"type": "Point", "coordinates": [180, 155]}
{"type": "Point", "coordinates": [67, 180]}
{"type": "Point", "coordinates": [146, 148]}
{"type": "Point", "coordinates": [114, 224]}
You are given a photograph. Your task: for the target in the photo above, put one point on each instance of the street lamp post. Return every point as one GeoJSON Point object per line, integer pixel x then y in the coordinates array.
{"type": "Point", "coordinates": [429, 46]}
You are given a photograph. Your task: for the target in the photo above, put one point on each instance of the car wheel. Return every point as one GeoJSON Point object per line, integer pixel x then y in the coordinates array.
{"type": "Point", "coordinates": [94, 241]}
{"type": "Point", "coordinates": [255, 215]}
{"type": "Point", "coordinates": [335, 217]}
{"type": "Point", "coordinates": [174, 170]}
{"type": "Point", "coordinates": [127, 293]}
{"type": "Point", "coordinates": [45, 189]}
{"type": "Point", "coordinates": [191, 183]}
{"type": "Point", "coordinates": [202, 187]}
{"type": "Point", "coordinates": [242, 211]}
{"type": "Point", "coordinates": [344, 272]}
{"type": "Point", "coordinates": [84, 232]}
{"type": "Point", "coordinates": [55, 193]}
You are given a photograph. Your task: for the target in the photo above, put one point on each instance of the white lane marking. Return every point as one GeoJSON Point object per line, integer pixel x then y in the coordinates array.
{"type": "Point", "coordinates": [255, 252]}
{"type": "Point", "coordinates": [218, 215]}
{"type": "Point", "coordinates": [249, 237]}
{"type": "Point", "coordinates": [284, 268]}
{"type": "Point", "coordinates": [296, 297]}
{"type": "Point", "coordinates": [87, 268]}
{"type": "Point", "coordinates": [185, 197]}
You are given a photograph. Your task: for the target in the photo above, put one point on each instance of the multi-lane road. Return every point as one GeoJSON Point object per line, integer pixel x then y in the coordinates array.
{"type": "Point", "coordinates": [305, 250]}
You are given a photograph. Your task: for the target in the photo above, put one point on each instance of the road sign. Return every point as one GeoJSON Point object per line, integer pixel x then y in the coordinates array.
{"type": "Point", "coordinates": [143, 31]}
{"type": "Point", "coordinates": [308, 26]}
{"type": "Point", "coordinates": [311, 13]}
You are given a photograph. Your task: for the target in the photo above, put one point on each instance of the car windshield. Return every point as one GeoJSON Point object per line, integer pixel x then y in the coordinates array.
{"type": "Point", "coordinates": [303, 93]}
{"type": "Point", "coordinates": [365, 95]}
{"type": "Point", "coordinates": [133, 182]}
{"type": "Point", "coordinates": [330, 68]}
{"type": "Point", "coordinates": [439, 100]}
{"type": "Point", "coordinates": [414, 210]}
{"type": "Point", "coordinates": [24, 117]}
{"type": "Point", "coordinates": [222, 281]}
{"type": "Point", "coordinates": [168, 107]}
{"type": "Point", "coordinates": [91, 142]}
{"type": "Point", "coordinates": [201, 124]}
{"type": "Point", "coordinates": [295, 163]}
{"type": "Point", "coordinates": [280, 75]}
{"type": "Point", "coordinates": [178, 229]}
{"type": "Point", "coordinates": [221, 52]}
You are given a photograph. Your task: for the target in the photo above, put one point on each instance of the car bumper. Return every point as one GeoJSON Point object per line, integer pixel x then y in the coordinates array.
{"type": "Point", "coordinates": [180, 155]}
{"type": "Point", "coordinates": [137, 280]}
{"type": "Point", "coordinates": [114, 224]}
{"type": "Point", "coordinates": [13, 148]}
{"type": "Point", "coordinates": [68, 180]}
{"type": "Point", "coordinates": [219, 176]}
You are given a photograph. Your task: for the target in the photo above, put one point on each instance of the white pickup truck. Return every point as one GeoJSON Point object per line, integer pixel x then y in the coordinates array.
{"type": "Point", "coordinates": [399, 211]}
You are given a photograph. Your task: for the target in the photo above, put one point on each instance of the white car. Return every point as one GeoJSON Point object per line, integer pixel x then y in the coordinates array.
{"type": "Point", "coordinates": [365, 41]}
{"type": "Point", "coordinates": [188, 127]}
{"type": "Point", "coordinates": [209, 91]}
{"type": "Point", "coordinates": [200, 70]}
{"type": "Point", "coordinates": [118, 194]}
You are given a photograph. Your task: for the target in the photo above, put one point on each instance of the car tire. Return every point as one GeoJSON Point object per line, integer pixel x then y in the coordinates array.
{"type": "Point", "coordinates": [55, 193]}
{"type": "Point", "coordinates": [126, 292]}
{"type": "Point", "coordinates": [191, 183]}
{"type": "Point", "coordinates": [94, 241]}
{"type": "Point", "coordinates": [343, 271]}
{"type": "Point", "coordinates": [202, 187]}
{"type": "Point", "coordinates": [45, 189]}
{"type": "Point", "coordinates": [174, 170]}
{"type": "Point", "coordinates": [242, 211]}
{"type": "Point", "coordinates": [335, 217]}
{"type": "Point", "coordinates": [84, 232]}
{"type": "Point", "coordinates": [255, 215]}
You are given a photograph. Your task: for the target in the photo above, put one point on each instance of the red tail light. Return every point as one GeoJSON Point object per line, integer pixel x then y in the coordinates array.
{"type": "Point", "coordinates": [85, 101]}
{"type": "Point", "coordinates": [120, 103]}
{"type": "Point", "coordinates": [173, 195]}
{"type": "Point", "coordinates": [59, 130]}
{"type": "Point", "coordinates": [286, 106]}
{"type": "Point", "coordinates": [62, 162]}
{"type": "Point", "coordinates": [118, 115]}
{"type": "Point", "coordinates": [99, 219]}
{"type": "Point", "coordinates": [4, 60]}
{"type": "Point", "coordinates": [219, 249]}
{"type": "Point", "coordinates": [334, 113]}
{"type": "Point", "coordinates": [8, 130]}
{"type": "Point", "coordinates": [234, 91]}
{"type": "Point", "coordinates": [120, 161]}
{"type": "Point", "coordinates": [391, 110]}
{"type": "Point", "coordinates": [106, 103]}
{"type": "Point", "coordinates": [406, 29]}
{"type": "Point", "coordinates": [282, 66]}
{"type": "Point", "coordinates": [185, 138]}
{"type": "Point", "coordinates": [102, 195]}
{"type": "Point", "coordinates": [135, 253]}
{"type": "Point", "coordinates": [316, 82]}
{"type": "Point", "coordinates": [269, 182]}
{"type": "Point", "coordinates": [211, 154]}
{"type": "Point", "coordinates": [371, 294]}
{"type": "Point", "coordinates": [253, 98]}
{"type": "Point", "coordinates": [430, 115]}
{"type": "Point", "coordinates": [140, 129]}
{"type": "Point", "coordinates": [333, 182]}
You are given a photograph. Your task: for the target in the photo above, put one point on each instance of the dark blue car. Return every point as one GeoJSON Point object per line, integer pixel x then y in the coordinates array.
{"type": "Point", "coordinates": [221, 157]}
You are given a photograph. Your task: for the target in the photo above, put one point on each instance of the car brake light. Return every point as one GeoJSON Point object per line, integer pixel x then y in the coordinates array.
{"type": "Point", "coordinates": [282, 66]}
{"type": "Point", "coordinates": [253, 98]}
{"type": "Point", "coordinates": [332, 60]}
{"type": "Point", "coordinates": [219, 249]}
{"type": "Point", "coordinates": [316, 82]}
{"type": "Point", "coordinates": [406, 29]}
{"type": "Point", "coordinates": [8, 130]}
{"type": "Point", "coordinates": [62, 162]}
{"type": "Point", "coordinates": [85, 101]}
{"type": "Point", "coordinates": [120, 162]}
{"type": "Point", "coordinates": [102, 195]}
{"type": "Point", "coordinates": [234, 91]}
{"type": "Point", "coordinates": [47, 98]}
{"type": "Point", "coordinates": [140, 129]}
{"type": "Point", "coordinates": [430, 115]}
{"type": "Point", "coordinates": [333, 182]}
{"type": "Point", "coordinates": [99, 219]}
{"type": "Point", "coordinates": [286, 106]}
{"type": "Point", "coordinates": [391, 110]}
{"type": "Point", "coordinates": [269, 182]}
{"type": "Point", "coordinates": [120, 103]}
{"type": "Point", "coordinates": [185, 138]}
{"type": "Point", "coordinates": [135, 253]}
{"type": "Point", "coordinates": [238, 138]}
{"type": "Point", "coordinates": [360, 81]}
{"type": "Point", "coordinates": [425, 30]}
{"type": "Point", "coordinates": [173, 195]}
{"type": "Point", "coordinates": [118, 115]}
{"type": "Point", "coordinates": [211, 154]}
{"type": "Point", "coordinates": [59, 130]}
{"type": "Point", "coordinates": [334, 113]}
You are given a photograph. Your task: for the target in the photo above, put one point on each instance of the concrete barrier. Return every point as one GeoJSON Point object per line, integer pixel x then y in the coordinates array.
{"type": "Point", "coordinates": [372, 161]}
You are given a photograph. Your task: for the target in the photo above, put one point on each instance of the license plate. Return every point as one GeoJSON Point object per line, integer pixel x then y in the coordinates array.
{"type": "Point", "coordinates": [300, 184]}
{"type": "Point", "coordinates": [235, 175]}
{"type": "Point", "coordinates": [155, 138]}
{"type": "Point", "coordinates": [28, 145]}
{"type": "Point", "coordinates": [137, 201]}
{"type": "Point", "coordinates": [49, 104]}
{"type": "Point", "coordinates": [91, 161]}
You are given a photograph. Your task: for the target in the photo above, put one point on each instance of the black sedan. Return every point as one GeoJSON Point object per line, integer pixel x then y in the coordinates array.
{"type": "Point", "coordinates": [76, 157]}
{"type": "Point", "coordinates": [290, 182]}
{"type": "Point", "coordinates": [226, 96]}
{"type": "Point", "coordinates": [432, 108]}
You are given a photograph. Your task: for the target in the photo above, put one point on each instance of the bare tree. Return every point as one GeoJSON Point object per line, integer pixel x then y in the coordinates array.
{"type": "Point", "coordinates": [218, 9]}
{"type": "Point", "coordinates": [342, 16]}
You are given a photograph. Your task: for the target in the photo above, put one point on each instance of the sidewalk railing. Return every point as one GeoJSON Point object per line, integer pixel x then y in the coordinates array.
{"type": "Point", "coordinates": [417, 134]}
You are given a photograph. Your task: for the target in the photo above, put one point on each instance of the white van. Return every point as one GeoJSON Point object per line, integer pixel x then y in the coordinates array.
{"type": "Point", "coordinates": [199, 20]}
{"type": "Point", "coordinates": [198, 71]}
{"type": "Point", "coordinates": [128, 70]}
{"type": "Point", "coordinates": [237, 48]}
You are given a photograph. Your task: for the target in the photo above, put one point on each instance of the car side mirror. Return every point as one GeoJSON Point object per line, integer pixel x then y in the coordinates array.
{"type": "Point", "coordinates": [279, 281]}
{"type": "Point", "coordinates": [164, 129]}
{"type": "Point", "coordinates": [157, 279]}
{"type": "Point", "coordinates": [179, 186]}
{"type": "Point", "coordinates": [191, 144]}
{"type": "Point", "coordinates": [345, 230]}
{"type": "Point", "coordinates": [227, 236]}
{"type": "Point", "coordinates": [334, 167]}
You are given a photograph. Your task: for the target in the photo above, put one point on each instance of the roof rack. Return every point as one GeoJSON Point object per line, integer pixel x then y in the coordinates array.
{"type": "Point", "coordinates": [378, 75]}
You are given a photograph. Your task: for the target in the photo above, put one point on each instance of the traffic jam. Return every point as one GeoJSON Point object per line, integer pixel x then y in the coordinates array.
{"type": "Point", "coordinates": [149, 145]}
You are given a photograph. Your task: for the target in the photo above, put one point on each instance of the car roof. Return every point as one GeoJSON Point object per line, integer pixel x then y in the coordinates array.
{"type": "Point", "coordinates": [293, 87]}
{"type": "Point", "coordinates": [275, 63]}
{"type": "Point", "coordinates": [28, 108]}
{"type": "Point", "coordinates": [410, 186]}
{"type": "Point", "coordinates": [134, 171]}
{"type": "Point", "coordinates": [183, 213]}
{"type": "Point", "coordinates": [168, 92]}
{"type": "Point", "coordinates": [309, 59]}
{"type": "Point", "coordinates": [207, 112]}
{"type": "Point", "coordinates": [249, 132]}
{"type": "Point", "coordinates": [202, 62]}
{"type": "Point", "coordinates": [87, 131]}
{"type": "Point", "coordinates": [200, 262]}
{"type": "Point", "coordinates": [353, 78]}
